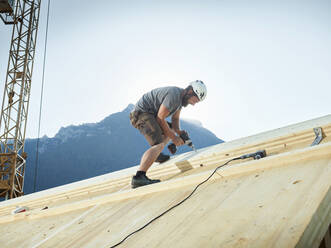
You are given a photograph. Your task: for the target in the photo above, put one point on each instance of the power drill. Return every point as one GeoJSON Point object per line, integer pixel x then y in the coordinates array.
{"type": "Point", "coordinates": [187, 141]}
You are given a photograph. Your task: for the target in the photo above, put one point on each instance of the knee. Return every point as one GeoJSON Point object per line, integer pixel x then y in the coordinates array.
{"type": "Point", "coordinates": [159, 146]}
{"type": "Point", "coordinates": [162, 145]}
{"type": "Point", "coordinates": [165, 140]}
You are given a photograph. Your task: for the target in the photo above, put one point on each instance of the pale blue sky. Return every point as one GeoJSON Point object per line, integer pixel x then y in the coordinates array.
{"type": "Point", "coordinates": [266, 63]}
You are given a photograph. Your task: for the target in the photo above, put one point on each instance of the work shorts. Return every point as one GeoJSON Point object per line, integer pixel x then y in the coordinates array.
{"type": "Point", "coordinates": [148, 126]}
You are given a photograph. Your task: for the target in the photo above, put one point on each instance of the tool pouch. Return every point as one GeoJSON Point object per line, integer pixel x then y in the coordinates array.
{"type": "Point", "coordinates": [134, 117]}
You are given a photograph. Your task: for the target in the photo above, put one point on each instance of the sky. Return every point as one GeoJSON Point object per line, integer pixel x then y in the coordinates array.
{"type": "Point", "coordinates": [266, 64]}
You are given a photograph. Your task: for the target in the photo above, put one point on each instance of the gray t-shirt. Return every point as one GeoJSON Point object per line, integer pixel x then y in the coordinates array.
{"type": "Point", "coordinates": [170, 97]}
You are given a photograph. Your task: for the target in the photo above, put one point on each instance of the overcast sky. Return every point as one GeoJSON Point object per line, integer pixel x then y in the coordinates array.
{"type": "Point", "coordinates": [266, 63]}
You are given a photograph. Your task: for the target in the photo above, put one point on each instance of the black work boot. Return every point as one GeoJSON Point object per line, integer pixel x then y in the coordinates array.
{"type": "Point", "coordinates": [142, 180]}
{"type": "Point", "coordinates": [162, 158]}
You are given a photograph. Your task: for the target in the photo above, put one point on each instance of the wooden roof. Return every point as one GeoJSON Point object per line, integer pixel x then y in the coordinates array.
{"type": "Point", "coordinates": [282, 200]}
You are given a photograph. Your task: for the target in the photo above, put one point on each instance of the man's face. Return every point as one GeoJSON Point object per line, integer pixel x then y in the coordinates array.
{"type": "Point", "coordinates": [193, 100]}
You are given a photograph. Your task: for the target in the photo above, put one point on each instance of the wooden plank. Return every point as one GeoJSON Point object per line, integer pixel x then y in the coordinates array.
{"type": "Point", "coordinates": [285, 159]}
{"type": "Point", "coordinates": [327, 238]}
{"type": "Point", "coordinates": [318, 225]}
{"type": "Point", "coordinates": [247, 210]}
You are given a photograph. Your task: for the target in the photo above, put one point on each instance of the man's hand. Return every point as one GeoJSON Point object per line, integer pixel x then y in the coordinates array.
{"type": "Point", "coordinates": [178, 141]}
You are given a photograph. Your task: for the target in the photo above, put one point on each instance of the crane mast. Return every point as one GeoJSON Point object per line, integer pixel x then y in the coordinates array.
{"type": "Point", "coordinates": [23, 15]}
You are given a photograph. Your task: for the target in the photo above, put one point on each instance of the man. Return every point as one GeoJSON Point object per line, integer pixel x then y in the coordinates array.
{"type": "Point", "coordinates": [149, 117]}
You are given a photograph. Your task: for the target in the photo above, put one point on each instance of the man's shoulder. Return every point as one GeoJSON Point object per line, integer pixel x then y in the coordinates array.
{"type": "Point", "coordinates": [175, 88]}
{"type": "Point", "coordinates": [170, 89]}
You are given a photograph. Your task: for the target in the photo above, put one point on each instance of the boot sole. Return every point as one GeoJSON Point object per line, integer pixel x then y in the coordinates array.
{"type": "Point", "coordinates": [133, 186]}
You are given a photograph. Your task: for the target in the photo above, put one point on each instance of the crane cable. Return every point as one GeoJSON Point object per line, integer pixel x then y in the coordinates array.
{"type": "Point", "coordinates": [41, 100]}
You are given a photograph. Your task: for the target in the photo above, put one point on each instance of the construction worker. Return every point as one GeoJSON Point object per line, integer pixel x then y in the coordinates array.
{"type": "Point", "coordinates": [149, 117]}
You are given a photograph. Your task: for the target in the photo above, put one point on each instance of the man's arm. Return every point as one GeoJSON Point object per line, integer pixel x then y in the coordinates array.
{"type": "Point", "coordinates": [175, 121]}
{"type": "Point", "coordinates": [161, 115]}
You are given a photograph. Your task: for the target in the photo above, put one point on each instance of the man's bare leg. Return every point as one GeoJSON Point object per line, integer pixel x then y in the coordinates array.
{"type": "Point", "coordinates": [147, 160]}
{"type": "Point", "coordinates": [150, 156]}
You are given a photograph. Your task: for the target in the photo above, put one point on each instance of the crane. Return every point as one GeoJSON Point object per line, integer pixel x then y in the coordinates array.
{"type": "Point", "coordinates": [23, 15]}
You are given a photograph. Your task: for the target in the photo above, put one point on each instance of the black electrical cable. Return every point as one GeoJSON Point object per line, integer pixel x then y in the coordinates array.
{"type": "Point", "coordinates": [41, 100]}
{"type": "Point", "coordinates": [177, 203]}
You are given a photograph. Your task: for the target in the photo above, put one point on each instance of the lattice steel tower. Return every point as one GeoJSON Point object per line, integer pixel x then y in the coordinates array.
{"type": "Point", "coordinates": [24, 16]}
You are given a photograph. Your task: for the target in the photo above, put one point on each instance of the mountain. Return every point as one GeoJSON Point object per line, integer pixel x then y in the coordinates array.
{"type": "Point", "coordinates": [89, 150]}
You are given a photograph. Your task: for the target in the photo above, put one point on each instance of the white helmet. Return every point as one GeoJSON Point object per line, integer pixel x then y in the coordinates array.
{"type": "Point", "coordinates": [199, 89]}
